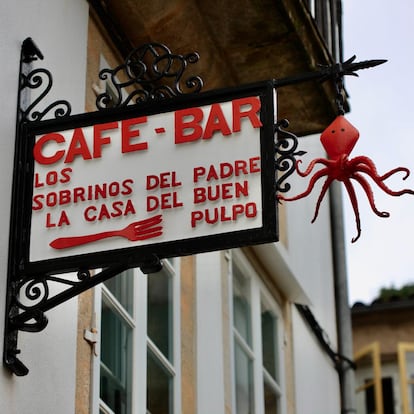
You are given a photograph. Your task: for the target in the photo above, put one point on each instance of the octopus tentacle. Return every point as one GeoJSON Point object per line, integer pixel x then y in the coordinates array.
{"type": "Point", "coordinates": [396, 170]}
{"type": "Point", "coordinates": [368, 191]}
{"type": "Point", "coordinates": [352, 196]}
{"type": "Point", "coordinates": [325, 187]}
{"type": "Point", "coordinates": [377, 179]}
{"type": "Point", "coordinates": [311, 166]}
{"type": "Point", "coordinates": [362, 160]}
{"type": "Point", "coordinates": [312, 183]}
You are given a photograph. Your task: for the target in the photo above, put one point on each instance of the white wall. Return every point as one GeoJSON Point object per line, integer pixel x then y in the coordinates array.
{"type": "Point", "coordinates": [309, 250]}
{"type": "Point", "coordinates": [310, 257]}
{"type": "Point", "coordinates": [209, 313]}
{"type": "Point", "coordinates": [316, 381]}
{"type": "Point", "coordinates": [59, 28]}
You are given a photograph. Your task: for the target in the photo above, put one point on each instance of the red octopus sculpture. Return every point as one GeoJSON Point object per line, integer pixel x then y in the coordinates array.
{"type": "Point", "coordinates": [338, 139]}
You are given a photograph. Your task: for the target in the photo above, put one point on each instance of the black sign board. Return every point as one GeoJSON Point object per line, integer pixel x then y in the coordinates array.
{"type": "Point", "coordinates": [171, 178]}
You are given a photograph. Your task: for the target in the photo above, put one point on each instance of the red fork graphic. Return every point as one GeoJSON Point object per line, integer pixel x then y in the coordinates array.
{"type": "Point", "coordinates": [137, 231]}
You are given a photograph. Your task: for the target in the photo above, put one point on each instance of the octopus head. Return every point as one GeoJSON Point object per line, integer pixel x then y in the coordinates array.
{"type": "Point", "coordinates": [339, 138]}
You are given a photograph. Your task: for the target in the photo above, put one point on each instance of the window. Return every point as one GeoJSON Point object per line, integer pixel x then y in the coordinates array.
{"type": "Point", "coordinates": [139, 350]}
{"type": "Point", "coordinates": [117, 324]}
{"type": "Point", "coordinates": [256, 344]}
{"type": "Point", "coordinates": [369, 384]}
{"type": "Point", "coordinates": [406, 365]}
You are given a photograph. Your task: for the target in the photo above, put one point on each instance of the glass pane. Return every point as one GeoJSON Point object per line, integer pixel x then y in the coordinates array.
{"type": "Point", "coordinates": [160, 311]}
{"type": "Point", "coordinates": [121, 287]}
{"type": "Point", "coordinates": [270, 399]}
{"type": "Point", "coordinates": [244, 381]}
{"type": "Point", "coordinates": [241, 306]}
{"type": "Point", "coordinates": [409, 358]}
{"type": "Point", "coordinates": [159, 387]}
{"type": "Point", "coordinates": [269, 343]}
{"type": "Point", "coordinates": [116, 361]}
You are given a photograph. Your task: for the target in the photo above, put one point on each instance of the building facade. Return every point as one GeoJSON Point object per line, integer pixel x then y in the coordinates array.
{"type": "Point", "coordinates": [384, 349]}
{"type": "Point", "coordinates": [218, 332]}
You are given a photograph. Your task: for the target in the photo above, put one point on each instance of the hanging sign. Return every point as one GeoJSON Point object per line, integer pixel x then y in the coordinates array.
{"type": "Point", "coordinates": [172, 178]}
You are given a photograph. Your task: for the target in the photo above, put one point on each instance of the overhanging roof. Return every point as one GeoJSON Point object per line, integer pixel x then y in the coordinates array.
{"type": "Point", "coordinates": [239, 42]}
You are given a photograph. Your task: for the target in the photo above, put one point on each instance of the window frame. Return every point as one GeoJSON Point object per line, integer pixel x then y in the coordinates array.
{"type": "Point", "coordinates": [374, 353]}
{"type": "Point", "coordinates": [259, 294]}
{"type": "Point", "coordinates": [141, 343]}
{"type": "Point", "coordinates": [405, 382]}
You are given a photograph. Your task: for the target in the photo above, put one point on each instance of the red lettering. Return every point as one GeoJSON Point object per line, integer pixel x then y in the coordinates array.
{"type": "Point", "coordinates": [251, 210]}
{"type": "Point", "coordinates": [87, 213]}
{"type": "Point", "coordinates": [164, 180]}
{"type": "Point", "coordinates": [63, 220]}
{"type": "Point", "coordinates": [78, 147]}
{"type": "Point", "coordinates": [128, 133]}
{"type": "Point", "coordinates": [51, 199]}
{"type": "Point", "coordinates": [216, 122]}
{"type": "Point", "coordinates": [99, 140]}
{"type": "Point", "coordinates": [113, 189]}
{"type": "Point", "coordinates": [197, 173]}
{"type": "Point", "coordinates": [226, 170]}
{"type": "Point", "coordinates": [152, 182]}
{"type": "Point", "coordinates": [188, 130]}
{"type": "Point", "coordinates": [238, 209]}
{"type": "Point", "coordinates": [127, 186]}
{"type": "Point", "coordinates": [51, 178]}
{"type": "Point", "coordinates": [78, 194]}
{"type": "Point", "coordinates": [164, 201]}
{"type": "Point", "coordinates": [214, 217]}
{"type": "Point", "coordinates": [64, 197]}
{"type": "Point", "coordinates": [37, 202]}
{"type": "Point", "coordinates": [117, 208]}
{"type": "Point", "coordinates": [49, 223]}
{"type": "Point", "coordinates": [240, 166]}
{"type": "Point", "coordinates": [223, 214]}
{"type": "Point", "coordinates": [251, 112]}
{"type": "Point", "coordinates": [65, 173]}
{"type": "Point", "coordinates": [104, 213]}
{"type": "Point", "coordinates": [226, 191]}
{"type": "Point", "coordinates": [196, 216]}
{"type": "Point", "coordinates": [152, 203]}
{"type": "Point", "coordinates": [37, 182]}
{"type": "Point", "coordinates": [199, 195]}
{"type": "Point", "coordinates": [129, 209]}
{"type": "Point", "coordinates": [39, 146]}
{"type": "Point", "coordinates": [254, 164]}
{"type": "Point", "coordinates": [241, 189]}
{"type": "Point", "coordinates": [212, 174]}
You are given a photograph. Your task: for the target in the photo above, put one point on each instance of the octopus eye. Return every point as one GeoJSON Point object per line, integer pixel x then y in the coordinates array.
{"type": "Point", "coordinates": [333, 131]}
{"type": "Point", "coordinates": [342, 129]}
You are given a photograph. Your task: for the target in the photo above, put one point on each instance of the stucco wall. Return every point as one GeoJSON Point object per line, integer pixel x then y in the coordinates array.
{"type": "Point", "coordinates": [310, 257]}
{"type": "Point", "coordinates": [59, 28]}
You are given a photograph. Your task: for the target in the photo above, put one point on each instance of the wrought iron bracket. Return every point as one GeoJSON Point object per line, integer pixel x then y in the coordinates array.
{"type": "Point", "coordinates": [150, 73]}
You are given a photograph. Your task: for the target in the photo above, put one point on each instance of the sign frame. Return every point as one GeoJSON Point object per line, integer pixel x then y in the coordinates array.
{"type": "Point", "coordinates": [137, 254]}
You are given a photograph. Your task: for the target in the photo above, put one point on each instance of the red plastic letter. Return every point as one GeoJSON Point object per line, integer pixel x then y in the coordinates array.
{"type": "Point", "coordinates": [252, 112]}
{"type": "Point", "coordinates": [37, 149]}
{"type": "Point", "coordinates": [193, 125]}
{"type": "Point", "coordinates": [128, 133]}
{"type": "Point", "coordinates": [216, 122]}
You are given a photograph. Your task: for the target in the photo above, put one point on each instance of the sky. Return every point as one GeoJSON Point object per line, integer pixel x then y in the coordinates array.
{"type": "Point", "coordinates": [382, 109]}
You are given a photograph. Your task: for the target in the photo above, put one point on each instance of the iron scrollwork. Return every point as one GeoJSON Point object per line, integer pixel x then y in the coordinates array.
{"type": "Point", "coordinates": [149, 73]}
{"type": "Point", "coordinates": [42, 78]}
{"type": "Point", "coordinates": [286, 144]}
{"type": "Point", "coordinates": [38, 79]}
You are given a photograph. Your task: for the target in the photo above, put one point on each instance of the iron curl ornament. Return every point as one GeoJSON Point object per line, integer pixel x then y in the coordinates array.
{"type": "Point", "coordinates": [338, 140]}
{"type": "Point", "coordinates": [150, 72]}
